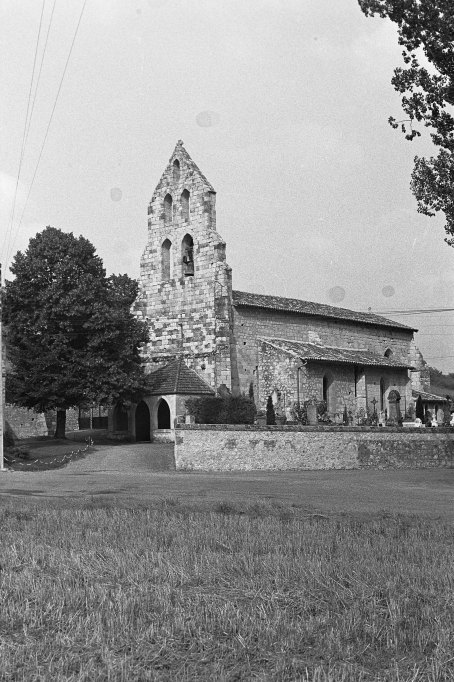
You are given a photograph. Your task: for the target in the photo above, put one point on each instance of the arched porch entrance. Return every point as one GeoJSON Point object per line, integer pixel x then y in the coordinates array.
{"type": "Point", "coordinates": [163, 415]}
{"type": "Point", "coordinates": [142, 420]}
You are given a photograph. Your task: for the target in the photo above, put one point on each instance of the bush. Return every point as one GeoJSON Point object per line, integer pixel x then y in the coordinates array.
{"type": "Point", "coordinates": [227, 409]}
{"type": "Point", "coordinates": [299, 413]}
{"type": "Point", "coordinates": [322, 412]}
{"type": "Point", "coordinates": [19, 452]}
{"type": "Point", "coordinates": [345, 416]}
{"type": "Point", "coordinates": [270, 414]}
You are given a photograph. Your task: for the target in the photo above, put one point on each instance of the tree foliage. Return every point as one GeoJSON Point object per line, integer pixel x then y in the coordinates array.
{"type": "Point", "coordinates": [441, 384]}
{"type": "Point", "coordinates": [71, 337]}
{"type": "Point", "coordinates": [427, 95]}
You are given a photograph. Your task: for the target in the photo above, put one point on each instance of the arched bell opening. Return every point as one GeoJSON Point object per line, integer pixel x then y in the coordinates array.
{"type": "Point", "coordinates": [187, 255]}
{"type": "Point", "coordinates": [185, 205]}
{"type": "Point", "coordinates": [176, 171]}
{"type": "Point", "coordinates": [168, 209]}
{"type": "Point", "coordinates": [165, 260]}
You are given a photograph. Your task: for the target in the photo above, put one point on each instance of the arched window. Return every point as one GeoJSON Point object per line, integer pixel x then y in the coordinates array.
{"type": "Point", "coordinates": [325, 392]}
{"type": "Point", "coordinates": [388, 353]}
{"type": "Point", "coordinates": [185, 204]}
{"type": "Point", "coordinates": [167, 209]}
{"type": "Point", "coordinates": [187, 254]}
{"type": "Point", "coordinates": [176, 171]}
{"type": "Point", "coordinates": [165, 259]}
{"type": "Point", "coordinates": [163, 415]}
{"type": "Point", "coordinates": [382, 394]}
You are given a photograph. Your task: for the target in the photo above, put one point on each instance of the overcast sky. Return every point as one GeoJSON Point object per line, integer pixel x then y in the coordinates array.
{"type": "Point", "coordinates": [282, 104]}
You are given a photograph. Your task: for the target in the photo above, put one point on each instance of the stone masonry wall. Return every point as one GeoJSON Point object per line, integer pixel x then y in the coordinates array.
{"type": "Point", "coordinates": [24, 423]}
{"type": "Point", "coordinates": [187, 314]}
{"type": "Point", "coordinates": [246, 448]}
{"type": "Point", "coordinates": [251, 325]}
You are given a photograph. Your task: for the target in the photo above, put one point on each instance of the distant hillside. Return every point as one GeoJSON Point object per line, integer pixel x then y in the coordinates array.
{"type": "Point", "coordinates": [441, 384]}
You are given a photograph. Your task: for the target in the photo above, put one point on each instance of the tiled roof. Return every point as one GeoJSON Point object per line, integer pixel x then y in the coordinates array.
{"type": "Point", "coordinates": [349, 356]}
{"type": "Point", "coordinates": [294, 305]}
{"type": "Point", "coordinates": [429, 397]}
{"type": "Point", "coordinates": [177, 378]}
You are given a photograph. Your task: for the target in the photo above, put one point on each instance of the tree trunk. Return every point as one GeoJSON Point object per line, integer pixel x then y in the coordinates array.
{"type": "Point", "coordinates": [60, 428]}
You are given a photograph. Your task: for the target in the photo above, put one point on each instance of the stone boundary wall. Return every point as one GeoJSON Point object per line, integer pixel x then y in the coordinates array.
{"type": "Point", "coordinates": [245, 448]}
{"type": "Point", "coordinates": [24, 423]}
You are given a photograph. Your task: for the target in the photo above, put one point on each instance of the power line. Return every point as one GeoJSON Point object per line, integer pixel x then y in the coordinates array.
{"type": "Point", "coordinates": [438, 357]}
{"type": "Point", "coordinates": [8, 233]}
{"type": "Point", "coordinates": [48, 127]}
{"type": "Point", "coordinates": [40, 69]}
{"type": "Point", "coordinates": [417, 311]}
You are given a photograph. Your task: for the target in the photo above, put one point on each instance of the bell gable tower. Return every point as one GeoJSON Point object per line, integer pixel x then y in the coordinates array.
{"type": "Point", "coordinates": [185, 283]}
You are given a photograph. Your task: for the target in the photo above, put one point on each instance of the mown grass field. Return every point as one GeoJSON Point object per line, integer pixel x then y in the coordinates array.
{"type": "Point", "coordinates": [262, 592]}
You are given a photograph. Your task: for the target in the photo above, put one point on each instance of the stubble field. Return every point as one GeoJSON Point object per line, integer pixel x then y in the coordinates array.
{"type": "Point", "coordinates": [180, 591]}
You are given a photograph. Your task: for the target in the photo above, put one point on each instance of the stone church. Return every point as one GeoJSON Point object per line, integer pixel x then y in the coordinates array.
{"type": "Point", "coordinates": [205, 334]}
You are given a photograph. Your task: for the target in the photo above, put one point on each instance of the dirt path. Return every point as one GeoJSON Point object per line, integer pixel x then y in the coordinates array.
{"type": "Point", "coordinates": [141, 473]}
{"type": "Point", "coordinates": [126, 459]}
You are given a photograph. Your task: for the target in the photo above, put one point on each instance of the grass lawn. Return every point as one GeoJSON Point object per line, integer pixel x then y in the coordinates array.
{"type": "Point", "coordinates": [38, 454]}
{"type": "Point", "coordinates": [264, 591]}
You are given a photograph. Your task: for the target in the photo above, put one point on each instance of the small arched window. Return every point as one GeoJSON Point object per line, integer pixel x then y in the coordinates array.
{"type": "Point", "coordinates": [185, 204]}
{"type": "Point", "coordinates": [388, 353]}
{"type": "Point", "coordinates": [187, 254]}
{"type": "Point", "coordinates": [165, 259]}
{"type": "Point", "coordinates": [382, 394]}
{"type": "Point", "coordinates": [176, 171]}
{"type": "Point", "coordinates": [325, 390]}
{"type": "Point", "coordinates": [167, 209]}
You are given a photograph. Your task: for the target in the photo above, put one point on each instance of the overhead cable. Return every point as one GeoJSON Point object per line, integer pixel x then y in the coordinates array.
{"type": "Point", "coordinates": [48, 127]}
{"type": "Point", "coordinates": [8, 232]}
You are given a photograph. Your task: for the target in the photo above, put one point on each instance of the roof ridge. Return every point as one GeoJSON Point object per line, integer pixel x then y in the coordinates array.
{"type": "Point", "coordinates": [267, 339]}
{"type": "Point", "coordinates": [308, 351]}
{"type": "Point", "coordinates": [298, 305]}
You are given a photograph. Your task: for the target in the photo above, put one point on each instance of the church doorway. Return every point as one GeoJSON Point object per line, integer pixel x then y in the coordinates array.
{"type": "Point", "coordinates": [327, 381]}
{"type": "Point", "coordinates": [142, 421]}
{"type": "Point", "coordinates": [163, 415]}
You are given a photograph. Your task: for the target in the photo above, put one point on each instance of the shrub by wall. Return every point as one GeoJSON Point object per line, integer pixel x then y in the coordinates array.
{"type": "Point", "coordinates": [222, 410]}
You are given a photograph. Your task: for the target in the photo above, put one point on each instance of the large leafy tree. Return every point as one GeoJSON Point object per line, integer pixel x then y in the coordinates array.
{"type": "Point", "coordinates": [427, 94]}
{"type": "Point", "coordinates": [71, 337]}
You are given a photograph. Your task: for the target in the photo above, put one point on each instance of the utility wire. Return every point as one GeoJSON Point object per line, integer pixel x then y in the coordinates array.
{"type": "Point", "coordinates": [417, 311]}
{"type": "Point", "coordinates": [48, 127]}
{"type": "Point", "coordinates": [40, 69]}
{"type": "Point", "coordinates": [8, 233]}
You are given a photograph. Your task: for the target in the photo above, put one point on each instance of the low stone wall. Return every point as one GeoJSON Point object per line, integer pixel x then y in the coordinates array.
{"type": "Point", "coordinates": [236, 448]}
{"type": "Point", "coordinates": [24, 423]}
